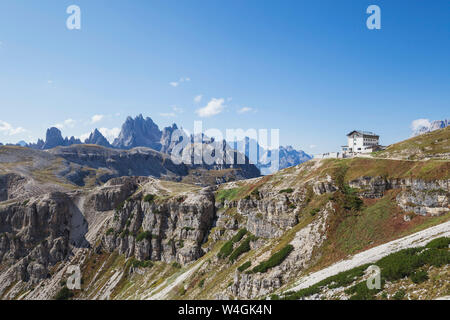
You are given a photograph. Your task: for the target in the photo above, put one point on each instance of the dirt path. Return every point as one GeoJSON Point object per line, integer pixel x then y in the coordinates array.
{"type": "Point", "coordinates": [415, 240]}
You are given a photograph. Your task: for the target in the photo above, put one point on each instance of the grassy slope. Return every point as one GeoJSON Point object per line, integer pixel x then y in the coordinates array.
{"type": "Point", "coordinates": [427, 145]}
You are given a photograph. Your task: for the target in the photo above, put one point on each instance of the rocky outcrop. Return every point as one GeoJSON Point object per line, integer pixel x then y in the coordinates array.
{"type": "Point", "coordinates": [11, 186]}
{"type": "Point", "coordinates": [167, 144]}
{"type": "Point", "coordinates": [417, 196]}
{"type": "Point", "coordinates": [139, 132]}
{"type": "Point", "coordinates": [34, 237]}
{"type": "Point", "coordinates": [308, 239]}
{"type": "Point", "coordinates": [97, 138]}
{"type": "Point", "coordinates": [54, 139]}
{"type": "Point", "coordinates": [169, 230]}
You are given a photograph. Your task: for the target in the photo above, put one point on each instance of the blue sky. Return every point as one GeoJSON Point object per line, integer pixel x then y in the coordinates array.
{"type": "Point", "coordinates": [310, 68]}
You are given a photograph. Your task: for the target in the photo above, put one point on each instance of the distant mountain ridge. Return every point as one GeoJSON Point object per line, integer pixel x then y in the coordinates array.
{"type": "Point", "coordinates": [144, 132]}
{"type": "Point", "coordinates": [434, 125]}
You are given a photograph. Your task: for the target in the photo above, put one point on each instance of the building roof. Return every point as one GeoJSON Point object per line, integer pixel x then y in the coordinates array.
{"type": "Point", "coordinates": [365, 133]}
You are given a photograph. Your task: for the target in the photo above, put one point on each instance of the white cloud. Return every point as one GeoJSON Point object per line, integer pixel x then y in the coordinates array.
{"type": "Point", "coordinates": [84, 136]}
{"type": "Point", "coordinates": [198, 98]}
{"type": "Point", "coordinates": [168, 114]}
{"type": "Point", "coordinates": [97, 118]}
{"type": "Point", "coordinates": [177, 83]}
{"type": "Point", "coordinates": [9, 130]}
{"type": "Point", "coordinates": [50, 81]}
{"type": "Point", "coordinates": [176, 110]}
{"type": "Point", "coordinates": [68, 123]}
{"type": "Point", "coordinates": [419, 123]}
{"type": "Point", "coordinates": [244, 110]}
{"type": "Point", "coordinates": [110, 134]}
{"type": "Point", "coordinates": [214, 107]}
{"type": "Point", "coordinates": [313, 146]}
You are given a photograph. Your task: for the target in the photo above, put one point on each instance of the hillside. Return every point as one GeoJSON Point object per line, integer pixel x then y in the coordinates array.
{"type": "Point", "coordinates": [25, 172]}
{"type": "Point", "coordinates": [431, 145]}
{"type": "Point", "coordinates": [144, 238]}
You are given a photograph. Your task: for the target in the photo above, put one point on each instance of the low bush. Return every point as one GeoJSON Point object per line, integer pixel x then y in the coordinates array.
{"type": "Point", "coordinates": [288, 190]}
{"type": "Point", "coordinates": [245, 266]}
{"type": "Point", "coordinates": [439, 243]}
{"type": "Point", "coordinates": [201, 283]}
{"type": "Point", "coordinates": [314, 211]}
{"type": "Point", "coordinates": [360, 291]}
{"type": "Point", "coordinates": [64, 294]}
{"type": "Point", "coordinates": [238, 236]}
{"type": "Point", "coordinates": [144, 235]}
{"type": "Point", "coordinates": [399, 295]}
{"type": "Point", "coordinates": [274, 260]}
{"type": "Point", "coordinates": [110, 231]}
{"type": "Point", "coordinates": [419, 276]}
{"type": "Point", "coordinates": [225, 250]}
{"type": "Point", "coordinates": [141, 264]}
{"type": "Point", "coordinates": [176, 265]}
{"type": "Point", "coordinates": [244, 247]}
{"type": "Point", "coordinates": [149, 198]}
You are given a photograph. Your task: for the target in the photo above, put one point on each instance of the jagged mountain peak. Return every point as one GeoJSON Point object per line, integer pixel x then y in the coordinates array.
{"type": "Point", "coordinates": [139, 132]}
{"type": "Point", "coordinates": [97, 138]}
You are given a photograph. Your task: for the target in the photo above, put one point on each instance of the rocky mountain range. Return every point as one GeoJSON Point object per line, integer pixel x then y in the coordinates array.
{"type": "Point", "coordinates": [306, 232]}
{"type": "Point", "coordinates": [143, 132]}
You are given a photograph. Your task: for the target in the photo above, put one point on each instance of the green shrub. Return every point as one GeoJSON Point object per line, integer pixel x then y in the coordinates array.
{"type": "Point", "coordinates": [226, 250]}
{"type": "Point", "coordinates": [314, 211]}
{"type": "Point", "coordinates": [439, 243]}
{"type": "Point", "coordinates": [64, 294]}
{"type": "Point", "coordinates": [176, 265]}
{"type": "Point", "coordinates": [244, 247]}
{"type": "Point", "coordinates": [201, 283]}
{"type": "Point", "coordinates": [141, 264]}
{"type": "Point", "coordinates": [110, 231]}
{"type": "Point", "coordinates": [120, 206]}
{"type": "Point", "coordinates": [274, 260]}
{"type": "Point", "coordinates": [25, 202]}
{"type": "Point", "coordinates": [245, 266]}
{"type": "Point", "coordinates": [360, 291]}
{"type": "Point", "coordinates": [256, 194]}
{"type": "Point", "coordinates": [435, 257]}
{"type": "Point", "coordinates": [274, 297]}
{"type": "Point", "coordinates": [144, 235]}
{"type": "Point", "coordinates": [288, 190]}
{"type": "Point", "coordinates": [419, 276]}
{"type": "Point", "coordinates": [238, 236]}
{"type": "Point", "coordinates": [149, 198]}
{"type": "Point", "coordinates": [399, 295]}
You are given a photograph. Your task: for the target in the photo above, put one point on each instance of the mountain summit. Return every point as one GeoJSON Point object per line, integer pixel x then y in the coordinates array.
{"type": "Point", "coordinates": [139, 132]}
{"type": "Point", "coordinates": [97, 138]}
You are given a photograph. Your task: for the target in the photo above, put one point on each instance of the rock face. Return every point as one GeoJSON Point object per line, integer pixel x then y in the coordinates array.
{"type": "Point", "coordinates": [166, 139]}
{"type": "Point", "coordinates": [118, 163]}
{"type": "Point", "coordinates": [97, 138]}
{"type": "Point", "coordinates": [167, 231]}
{"type": "Point", "coordinates": [417, 196]}
{"type": "Point", "coordinates": [34, 237]}
{"type": "Point", "coordinates": [139, 132]}
{"type": "Point", "coordinates": [250, 286]}
{"type": "Point", "coordinates": [54, 139]}
{"type": "Point", "coordinates": [11, 186]}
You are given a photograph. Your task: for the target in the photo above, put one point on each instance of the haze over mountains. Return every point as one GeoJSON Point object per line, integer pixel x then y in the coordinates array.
{"type": "Point", "coordinates": [143, 132]}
